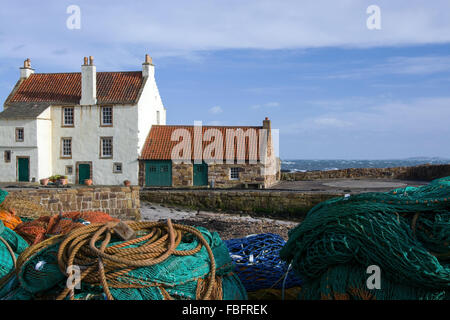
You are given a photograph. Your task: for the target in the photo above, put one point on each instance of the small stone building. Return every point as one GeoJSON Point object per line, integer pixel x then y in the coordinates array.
{"type": "Point", "coordinates": [215, 156]}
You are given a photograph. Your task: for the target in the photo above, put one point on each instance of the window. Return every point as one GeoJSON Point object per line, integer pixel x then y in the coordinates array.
{"type": "Point", "coordinates": [66, 147]}
{"type": "Point", "coordinates": [19, 135]}
{"type": "Point", "coordinates": [117, 167]}
{"type": "Point", "coordinates": [67, 115]}
{"type": "Point", "coordinates": [157, 117]}
{"type": "Point", "coordinates": [234, 173]}
{"type": "Point", "coordinates": [106, 147]}
{"type": "Point", "coordinates": [106, 116]}
{"type": "Point", "coordinates": [7, 155]}
{"type": "Point", "coordinates": [69, 170]}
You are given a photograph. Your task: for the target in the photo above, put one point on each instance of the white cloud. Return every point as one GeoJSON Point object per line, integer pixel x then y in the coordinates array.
{"type": "Point", "coordinates": [419, 65]}
{"type": "Point", "coordinates": [330, 122]}
{"type": "Point", "coordinates": [216, 110]}
{"type": "Point", "coordinates": [179, 28]}
{"type": "Point", "coordinates": [272, 104]}
{"type": "Point", "coordinates": [423, 116]}
{"type": "Point", "coordinates": [395, 129]}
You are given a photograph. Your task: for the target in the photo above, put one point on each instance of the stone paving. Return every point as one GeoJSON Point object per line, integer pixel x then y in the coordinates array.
{"type": "Point", "coordinates": [346, 185]}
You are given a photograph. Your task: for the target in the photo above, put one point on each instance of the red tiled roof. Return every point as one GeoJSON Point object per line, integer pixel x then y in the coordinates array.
{"type": "Point", "coordinates": [65, 88]}
{"type": "Point", "coordinates": [159, 144]}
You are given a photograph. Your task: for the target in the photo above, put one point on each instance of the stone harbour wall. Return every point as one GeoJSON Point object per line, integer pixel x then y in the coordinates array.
{"type": "Point", "coordinates": [119, 202]}
{"type": "Point", "coordinates": [281, 204]}
{"type": "Point", "coordinates": [422, 172]}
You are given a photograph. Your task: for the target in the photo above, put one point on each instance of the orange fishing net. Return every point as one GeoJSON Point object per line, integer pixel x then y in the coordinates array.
{"type": "Point", "coordinates": [9, 219]}
{"type": "Point", "coordinates": [40, 229]}
{"type": "Point", "coordinates": [23, 206]}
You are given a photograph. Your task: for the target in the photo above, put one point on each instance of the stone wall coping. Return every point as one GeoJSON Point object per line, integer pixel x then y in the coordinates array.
{"type": "Point", "coordinates": [80, 188]}
{"type": "Point", "coordinates": [235, 192]}
{"type": "Point", "coordinates": [118, 201]}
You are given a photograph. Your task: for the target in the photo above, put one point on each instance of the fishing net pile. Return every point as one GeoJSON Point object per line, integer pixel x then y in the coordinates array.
{"type": "Point", "coordinates": [160, 262]}
{"type": "Point", "coordinates": [258, 264]}
{"type": "Point", "coordinates": [9, 219]}
{"type": "Point", "coordinates": [21, 205]}
{"type": "Point", "coordinates": [11, 246]}
{"type": "Point", "coordinates": [405, 232]}
{"type": "Point", "coordinates": [3, 194]}
{"type": "Point", "coordinates": [45, 227]}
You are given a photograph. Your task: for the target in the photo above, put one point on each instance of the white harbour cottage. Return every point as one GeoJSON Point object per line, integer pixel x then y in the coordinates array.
{"type": "Point", "coordinates": [85, 125]}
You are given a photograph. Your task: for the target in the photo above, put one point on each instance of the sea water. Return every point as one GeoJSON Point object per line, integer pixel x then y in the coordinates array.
{"type": "Point", "coordinates": [323, 165]}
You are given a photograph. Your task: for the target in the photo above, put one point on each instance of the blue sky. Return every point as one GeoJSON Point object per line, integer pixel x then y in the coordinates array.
{"type": "Point", "coordinates": [334, 88]}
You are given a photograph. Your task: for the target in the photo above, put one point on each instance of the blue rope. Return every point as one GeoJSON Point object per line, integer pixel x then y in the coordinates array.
{"type": "Point", "coordinates": [258, 264]}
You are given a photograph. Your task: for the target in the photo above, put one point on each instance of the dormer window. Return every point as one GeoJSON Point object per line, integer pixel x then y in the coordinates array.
{"type": "Point", "coordinates": [68, 117]}
{"type": "Point", "coordinates": [106, 116]}
{"type": "Point", "coordinates": [19, 135]}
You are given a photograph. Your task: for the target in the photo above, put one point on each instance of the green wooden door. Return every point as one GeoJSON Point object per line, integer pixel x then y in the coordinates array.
{"type": "Point", "coordinates": [24, 169]}
{"type": "Point", "coordinates": [200, 174]}
{"type": "Point", "coordinates": [158, 173]}
{"type": "Point", "coordinates": [84, 172]}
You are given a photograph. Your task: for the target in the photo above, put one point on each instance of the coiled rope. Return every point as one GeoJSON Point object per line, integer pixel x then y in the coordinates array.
{"type": "Point", "coordinates": [103, 265]}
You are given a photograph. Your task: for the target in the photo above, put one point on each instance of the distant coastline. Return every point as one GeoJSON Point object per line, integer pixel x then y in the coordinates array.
{"type": "Point", "coordinates": [300, 165]}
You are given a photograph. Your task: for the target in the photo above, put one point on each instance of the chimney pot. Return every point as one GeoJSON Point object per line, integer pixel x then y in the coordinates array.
{"type": "Point", "coordinates": [26, 70]}
{"type": "Point", "coordinates": [266, 123]}
{"type": "Point", "coordinates": [91, 60]}
{"type": "Point", "coordinates": [147, 67]}
{"type": "Point", "coordinates": [85, 61]}
{"type": "Point", "coordinates": [148, 59]}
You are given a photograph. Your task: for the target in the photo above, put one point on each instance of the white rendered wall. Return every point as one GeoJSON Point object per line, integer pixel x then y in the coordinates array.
{"type": "Point", "coordinates": [44, 144]}
{"type": "Point", "coordinates": [149, 103]}
{"type": "Point", "coordinates": [27, 148]}
{"type": "Point", "coordinates": [86, 143]}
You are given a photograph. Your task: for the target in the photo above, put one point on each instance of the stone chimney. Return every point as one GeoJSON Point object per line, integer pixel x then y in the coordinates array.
{"type": "Point", "coordinates": [88, 83]}
{"type": "Point", "coordinates": [148, 69]}
{"type": "Point", "coordinates": [266, 124]}
{"type": "Point", "coordinates": [26, 71]}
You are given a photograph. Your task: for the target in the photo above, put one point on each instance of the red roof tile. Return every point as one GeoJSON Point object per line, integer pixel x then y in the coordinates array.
{"type": "Point", "coordinates": [65, 88]}
{"type": "Point", "coordinates": [159, 144]}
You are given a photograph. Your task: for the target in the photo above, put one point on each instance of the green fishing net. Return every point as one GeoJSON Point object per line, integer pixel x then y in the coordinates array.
{"type": "Point", "coordinates": [405, 232]}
